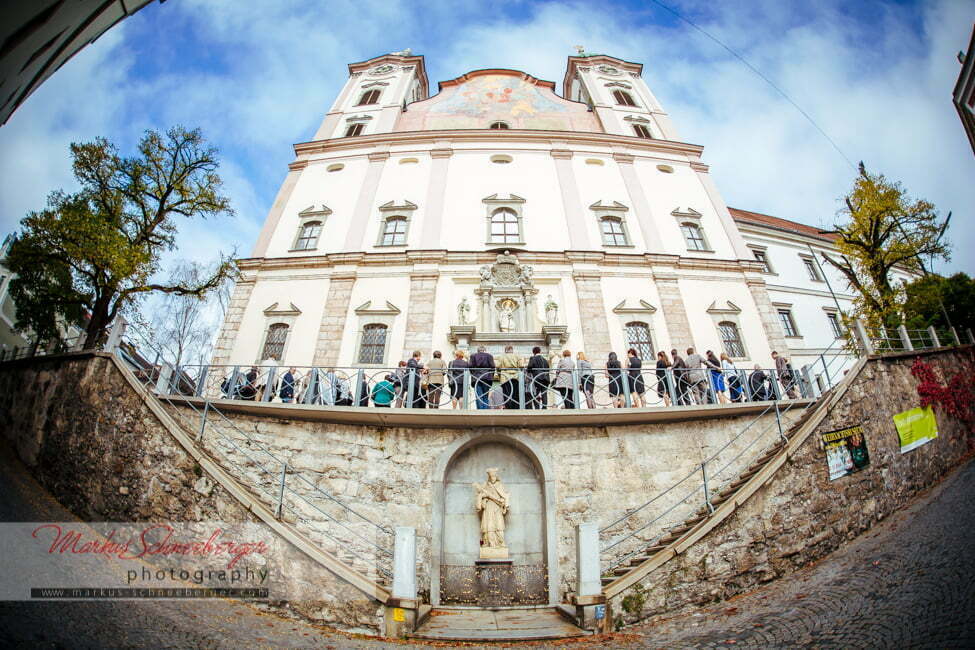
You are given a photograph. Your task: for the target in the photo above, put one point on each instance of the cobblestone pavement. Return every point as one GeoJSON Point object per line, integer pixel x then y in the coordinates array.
{"type": "Point", "coordinates": [909, 582]}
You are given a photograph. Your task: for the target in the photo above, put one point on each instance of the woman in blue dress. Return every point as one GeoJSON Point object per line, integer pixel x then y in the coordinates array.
{"type": "Point", "coordinates": [717, 377]}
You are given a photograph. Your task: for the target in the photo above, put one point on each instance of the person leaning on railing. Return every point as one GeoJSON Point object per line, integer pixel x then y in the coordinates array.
{"type": "Point", "coordinates": [435, 379]}
{"type": "Point", "coordinates": [663, 381]}
{"type": "Point", "coordinates": [615, 374]}
{"type": "Point", "coordinates": [587, 381]}
{"type": "Point", "coordinates": [635, 375]}
{"type": "Point", "coordinates": [680, 372]}
{"type": "Point", "coordinates": [564, 380]}
{"type": "Point", "coordinates": [538, 379]}
{"type": "Point", "coordinates": [384, 392]}
{"type": "Point", "coordinates": [482, 374]}
{"type": "Point", "coordinates": [456, 378]}
{"type": "Point", "coordinates": [287, 391]}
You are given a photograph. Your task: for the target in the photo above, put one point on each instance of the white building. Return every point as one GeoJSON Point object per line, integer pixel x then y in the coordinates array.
{"type": "Point", "coordinates": [498, 194]}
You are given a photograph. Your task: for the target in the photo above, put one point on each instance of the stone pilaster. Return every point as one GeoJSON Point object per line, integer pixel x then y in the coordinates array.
{"type": "Point", "coordinates": [231, 321]}
{"type": "Point", "coordinates": [419, 315]}
{"type": "Point", "coordinates": [770, 319]}
{"type": "Point", "coordinates": [592, 312]}
{"type": "Point", "coordinates": [334, 319]}
{"type": "Point", "coordinates": [675, 313]}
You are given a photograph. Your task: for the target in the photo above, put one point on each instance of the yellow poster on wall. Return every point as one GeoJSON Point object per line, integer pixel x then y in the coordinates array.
{"type": "Point", "coordinates": [916, 427]}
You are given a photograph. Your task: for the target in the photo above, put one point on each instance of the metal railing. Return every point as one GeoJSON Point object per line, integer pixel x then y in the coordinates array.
{"type": "Point", "coordinates": [294, 495]}
{"type": "Point", "coordinates": [68, 344]}
{"type": "Point", "coordinates": [901, 339]}
{"type": "Point", "coordinates": [644, 526]}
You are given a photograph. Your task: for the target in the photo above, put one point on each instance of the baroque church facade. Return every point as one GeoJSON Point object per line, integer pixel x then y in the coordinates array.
{"type": "Point", "coordinates": [498, 212]}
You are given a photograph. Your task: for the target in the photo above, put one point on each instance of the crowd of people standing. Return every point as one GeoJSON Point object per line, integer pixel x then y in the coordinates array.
{"type": "Point", "coordinates": [535, 382]}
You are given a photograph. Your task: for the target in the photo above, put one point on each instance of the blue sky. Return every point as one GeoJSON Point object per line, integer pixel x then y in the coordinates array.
{"type": "Point", "coordinates": [259, 76]}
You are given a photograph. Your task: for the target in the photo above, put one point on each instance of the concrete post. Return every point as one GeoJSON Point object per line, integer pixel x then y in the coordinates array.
{"type": "Point", "coordinates": [811, 388]}
{"type": "Point", "coordinates": [162, 382]}
{"type": "Point", "coordinates": [934, 337]}
{"type": "Point", "coordinates": [861, 333]}
{"type": "Point", "coordinates": [905, 337]}
{"type": "Point", "coordinates": [115, 334]}
{"type": "Point", "coordinates": [589, 599]}
{"type": "Point", "coordinates": [971, 339]}
{"type": "Point", "coordinates": [954, 333]}
{"type": "Point", "coordinates": [401, 610]}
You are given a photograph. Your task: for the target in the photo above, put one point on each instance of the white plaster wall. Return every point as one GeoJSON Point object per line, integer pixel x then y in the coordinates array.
{"type": "Point", "coordinates": [308, 295]}
{"type": "Point", "coordinates": [617, 289]}
{"type": "Point", "coordinates": [604, 183]}
{"type": "Point", "coordinates": [377, 286]}
{"type": "Point", "coordinates": [400, 183]}
{"type": "Point", "coordinates": [699, 293]}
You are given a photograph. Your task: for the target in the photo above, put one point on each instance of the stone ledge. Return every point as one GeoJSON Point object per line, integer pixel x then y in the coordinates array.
{"type": "Point", "coordinates": [447, 418]}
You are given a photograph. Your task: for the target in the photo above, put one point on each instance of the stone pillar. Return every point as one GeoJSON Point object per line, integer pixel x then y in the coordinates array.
{"type": "Point", "coordinates": [433, 209]}
{"type": "Point", "coordinates": [592, 313]}
{"type": "Point", "coordinates": [589, 599]}
{"type": "Point", "coordinates": [231, 321]}
{"type": "Point", "coordinates": [364, 204]}
{"type": "Point", "coordinates": [675, 313]}
{"type": "Point", "coordinates": [419, 315]}
{"type": "Point", "coordinates": [862, 336]}
{"type": "Point", "coordinates": [742, 251]}
{"type": "Point", "coordinates": [770, 320]}
{"type": "Point", "coordinates": [571, 203]}
{"type": "Point", "coordinates": [277, 209]}
{"type": "Point", "coordinates": [933, 333]}
{"type": "Point", "coordinates": [334, 319]}
{"type": "Point", "coordinates": [905, 337]}
{"type": "Point", "coordinates": [401, 609]}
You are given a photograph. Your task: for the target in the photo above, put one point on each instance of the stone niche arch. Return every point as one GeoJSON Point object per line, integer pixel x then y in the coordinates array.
{"type": "Point", "coordinates": [528, 476]}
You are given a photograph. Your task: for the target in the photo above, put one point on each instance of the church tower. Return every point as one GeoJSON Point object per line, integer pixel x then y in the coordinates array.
{"type": "Point", "coordinates": [377, 91]}
{"type": "Point", "coordinates": [617, 93]}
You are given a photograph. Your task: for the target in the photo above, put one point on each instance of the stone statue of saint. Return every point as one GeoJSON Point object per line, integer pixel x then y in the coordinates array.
{"type": "Point", "coordinates": [526, 274]}
{"type": "Point", "coordinates": [491, 503]}
{"type": "Point", "coordinates": [506, 318]}
{"type": "Point", "coordinates": [485, 272]}
{"type": "Point", "coordinates": [463, 312]}
{"type": "Point", "coordinates": [551, 311]}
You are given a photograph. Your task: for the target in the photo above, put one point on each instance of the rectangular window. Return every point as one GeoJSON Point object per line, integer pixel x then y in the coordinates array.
{"type": "Point", "coordinates": [788, 325]}
{"type": "Point", "coordinates": [354, 129]}
{"type": "Point", "coordinates": [811, 269]}
{"type": "Point", "coordinates": [762, 257]}
{"type": "Point", "coordinates": [613, 234]}
{"type": "Point", "coordinates": [834, 324]}
{"type": "Point", "coordinates": [642, 131]}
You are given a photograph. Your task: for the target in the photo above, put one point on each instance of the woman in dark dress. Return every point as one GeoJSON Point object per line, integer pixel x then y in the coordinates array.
{"type": "Point", "coordinates": [613, 370]}
{"type": "Point", "coordinates": [663, 381]}
{"type": "Point", "coordinates": [637, 388]}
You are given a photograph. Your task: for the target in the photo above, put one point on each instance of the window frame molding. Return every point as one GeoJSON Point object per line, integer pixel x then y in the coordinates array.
{"type": "Point", "coordinates": [693, 218]}
{"type": "Point", "coordinates": [389, 210]}
{"type": "Point", "coordinates": [834, 312]}
{"type": "Point", "coordinates": [787, 307]}
{"type": "Point", "coordinates": [309, 214]}
{"type": "Point", "coordinates": [616, 211]}
{"type": "Point", "coordinates": [764, 251]}
{"type": "Point", "coordinates": [730, 313]}
{"type": "Point", "coordinates": [274, 315]}
{"type": "Point", "coordinates": [368, 91]}
{"type": "Point", "coordinates": [814, 267]}
{"type": "Point", "coordinates": [369, 315]}
{"type": "Point", "coordinates": [514, 203]}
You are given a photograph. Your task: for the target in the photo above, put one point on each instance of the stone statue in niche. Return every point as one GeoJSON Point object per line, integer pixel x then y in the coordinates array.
{"type": "Point", "coordinates": [551, 311]}
{"type": "Point", "coordinates": [491, 503]}
{"type": "Point", "coordinates": [506, 315]}
{"type": "Point", "coordinates": [463, 312]}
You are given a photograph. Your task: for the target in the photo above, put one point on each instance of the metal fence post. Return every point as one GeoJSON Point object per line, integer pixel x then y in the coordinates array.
{"type": "Point", "coordinates": [410, 385]}
{"type": "Point", "coordinates": [625, 379]}
{"type": "Point", "coordinates": [778, 423]}
{"type": "Point", "coordinates": [360, 383]}
{"type": "Point", "coordinates": [280, 508]}
{"type": "Point", "coordinates": [465, 400]}
{"type": "Point", "coordinates": [971, 338]}
{"type": "Point", "coordinates": [746, 388]}
{"type": "Point", "coordinates": [521, 388]}
{"type": "Point", "coordinates": [312, 387]}
{"type": "Point", "coordinates": [808, 380]}
{"type": "Point", "coordinates": [671, 385]}
{"type": "Point", "coordinates": [776, 386]}
{"type": "Point", "coordinates": [933, 333]}
{"type": "Point", "coordinates": [201, 381]}
{"type": "Point", "coordinates": [269, 385]}
{"type": "Point", "coordinates": [203, 421]}
{"type": "Point", "coordinates": [115, 334]}
{"type": "Point", "coordinates": [707, 493]}
{"type": "Point", "coordinates": [954, 333]}
{"type": "Point", "coordinates": [829, 381]}
{"type": "Point", "coordinates": [905, 337]}
{"type": "Point", "coordinates": [709, 380]}
{"type": "Point", "coordinates": [861, 334]}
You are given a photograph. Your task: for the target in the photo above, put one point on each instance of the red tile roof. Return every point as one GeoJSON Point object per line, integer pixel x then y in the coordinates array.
{"type": "Point", "coordinates": [759, 219]}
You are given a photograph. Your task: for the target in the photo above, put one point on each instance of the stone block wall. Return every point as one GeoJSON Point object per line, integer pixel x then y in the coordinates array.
{"type": "Point", "coordinates": [801, 516]}
{"type": "Point", "coordinates": [419, 318]}
{"type": "Point", "coordinates": [90, 440]}
{"type": "Point", "coordinates": [333, 320]}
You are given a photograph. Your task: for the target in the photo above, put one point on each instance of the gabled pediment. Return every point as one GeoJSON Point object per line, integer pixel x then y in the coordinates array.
{"type": "Point", "coordinates": [615, 206]}
{"type": "Point", "coordinates": [636, 118]}
{"type": "Point", "coordinates": [499, 198]}
{"type": "Point", "coordinates": [274, 310]}
{"type": "Point", "coordinates": [312, 211]}
{"type": "Point", "coordinates": [399, 207]}
{"type": "Point", "coordinates": [366, 309]}
{"type": "Point", "coordinates": [689, 213]}
{"type": "Point", "coordinates": [727, 308]}
{"type": "Point", "coordinates": [642, 307]}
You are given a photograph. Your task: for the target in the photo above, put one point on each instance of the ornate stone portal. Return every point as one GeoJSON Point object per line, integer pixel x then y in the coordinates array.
{"type": "Point", "coordinates": [491, 503]}
{"type": "Point", "coordinates": [507, 311]}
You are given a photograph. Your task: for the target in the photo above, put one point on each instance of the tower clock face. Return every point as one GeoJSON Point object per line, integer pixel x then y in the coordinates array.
{"type": "Point", "coordinates": [381, 69]}
{"type": "Point", "coordinates": [608, 69]}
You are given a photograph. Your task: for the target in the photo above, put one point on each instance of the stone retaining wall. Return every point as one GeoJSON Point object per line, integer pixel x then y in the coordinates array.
{"type": "Point", "coordinates": [89, 438]}
{"type": "Point", "coordinates": [800, 515]}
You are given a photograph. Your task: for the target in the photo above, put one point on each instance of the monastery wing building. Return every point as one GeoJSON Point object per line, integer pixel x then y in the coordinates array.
{"type": "Point", "coordinates": [497, 212]}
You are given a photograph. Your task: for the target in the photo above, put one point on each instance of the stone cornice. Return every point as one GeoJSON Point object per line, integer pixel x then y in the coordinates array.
{"type": "Point", "coordinates": [297, 165]}
{"type": "Point", "coordinates": [564, 138]}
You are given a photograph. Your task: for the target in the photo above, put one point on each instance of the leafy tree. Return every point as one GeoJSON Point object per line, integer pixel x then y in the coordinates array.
{"type": "Point", "coordinates": [884, 228]}
{"type": "Point", "coordinates": [928, 299]}
{"type": "Point", "coordinates": [97, 250]}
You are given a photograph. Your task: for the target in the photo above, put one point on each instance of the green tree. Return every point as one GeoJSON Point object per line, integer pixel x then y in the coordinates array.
{"type": "Point", "coordinates": [928, 299]}
{"type": "Point", "coordinates": [95, 251]}
{"type": "Point", "coordinates": [884, 228]}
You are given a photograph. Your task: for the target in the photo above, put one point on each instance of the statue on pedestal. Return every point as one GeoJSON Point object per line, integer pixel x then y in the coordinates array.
{"type": "Point", "coordinates": [506, 318]}
{"type": "Point", "coordinates": [463, 312]}
{"type": "Point", "coordinates": [551, 311]}
{"type": "Point", "coordinates": [491, 502]}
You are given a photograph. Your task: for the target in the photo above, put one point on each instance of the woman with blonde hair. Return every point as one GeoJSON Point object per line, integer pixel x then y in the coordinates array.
{"type": "Point", "coordinates": [587, 381]}
{"type": "Point", "coordinates": [564, 381]}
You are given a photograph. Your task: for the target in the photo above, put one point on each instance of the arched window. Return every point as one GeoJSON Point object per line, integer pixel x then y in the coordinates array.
{"type": "Point", "coordinates": [505, 228]}
{"type": "Point", "coordinates": [499, 125]}
{"type": "Point", "coordinates": [308, 235]}
{"type": "Point", "coordinates": [694, 237]}
{"type": "Point", "coordinates": [638, 338]}
{"type": "Point", "coordinates": [623, 98]}
{"type": "Point", "coordinates": [613, 232]}
{"type": "Point", "coordinates": [731, 339]}
{"type": "Point", "coordinates": [394, 232]}
{"type": "Point", "coordinates": [277, 334]}
{"type": "Point", "coordinates": [354, 129]}
{"type": "Point", "coordinates": [369, 97]}
{"type": "Point", "coordinates": [642, 131]}
{"type": "Point", "coordinates": [372, 344]}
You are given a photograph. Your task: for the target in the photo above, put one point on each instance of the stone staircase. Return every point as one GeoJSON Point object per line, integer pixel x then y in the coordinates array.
{"type": "Point", "coordinates": [677, 533]}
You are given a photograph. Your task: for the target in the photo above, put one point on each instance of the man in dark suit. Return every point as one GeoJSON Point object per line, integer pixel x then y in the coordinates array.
{"type": "Point", "coordinates": [482, 375]}
{"type": "Point", "coordinates": [538, 379]}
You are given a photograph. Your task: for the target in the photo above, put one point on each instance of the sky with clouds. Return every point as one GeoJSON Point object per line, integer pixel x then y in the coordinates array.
{"type": "Point", "coordinates": [259, 76]}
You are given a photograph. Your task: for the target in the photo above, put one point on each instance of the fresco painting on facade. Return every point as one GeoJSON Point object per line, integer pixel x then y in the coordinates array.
{"type": "Point", "coordinates": [696, 275]}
